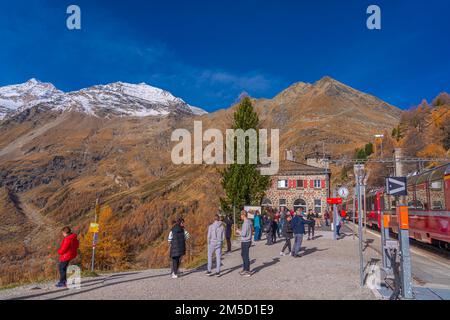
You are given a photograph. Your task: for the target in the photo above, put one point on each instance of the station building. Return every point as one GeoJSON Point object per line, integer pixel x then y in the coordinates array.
{"type": "Point", "coordinates": [300, 185]}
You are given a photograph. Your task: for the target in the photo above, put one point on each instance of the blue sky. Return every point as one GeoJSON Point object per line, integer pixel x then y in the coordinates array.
{"type": "Point", "coordinates": [208, 52]}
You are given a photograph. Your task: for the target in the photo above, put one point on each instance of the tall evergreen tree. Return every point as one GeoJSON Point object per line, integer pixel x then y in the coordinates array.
{"type": "Point", "coordinates": [243, 183]}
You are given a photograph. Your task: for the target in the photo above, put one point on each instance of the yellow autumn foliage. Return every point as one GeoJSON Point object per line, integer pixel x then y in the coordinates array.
{"type": "Point", "coordinates": [110, 253]}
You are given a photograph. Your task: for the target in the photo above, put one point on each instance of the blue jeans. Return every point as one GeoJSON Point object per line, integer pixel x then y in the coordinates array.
{"type": "Point", "coordinates": [298, 239]}
{"type": "Point", "coordinates": [62, 266]}
{"type": "Point", "coordinates": [257, 233]}
{"type": "Point", "coordinates": [280, 227]}
{"type": "Point", "coordinates": [245, 253]}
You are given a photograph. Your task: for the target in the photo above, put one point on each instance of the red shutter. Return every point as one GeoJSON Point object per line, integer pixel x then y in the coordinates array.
{"type": "Point", "coordinates": [311, 183]}
{"type": "Point", "coordinates": [292, 184]}
{"type": "Point", "coordinates": [305, 184]}
{"type": "Point", "coordinates": [323, 184]}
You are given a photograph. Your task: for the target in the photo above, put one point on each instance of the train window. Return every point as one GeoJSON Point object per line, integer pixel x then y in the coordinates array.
{"type": "Point", "coordinates": [415, 205]}
{"type": "Point", "coordinates": [436, 185]}
{"type": "Point", "coordinates": [437, 205]}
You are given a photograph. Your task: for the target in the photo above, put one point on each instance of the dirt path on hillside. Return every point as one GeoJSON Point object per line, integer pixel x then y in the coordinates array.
{"type": "Point", "coordinates": [42, 222]}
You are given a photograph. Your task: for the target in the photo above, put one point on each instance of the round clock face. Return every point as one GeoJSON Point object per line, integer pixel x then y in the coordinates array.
{"type": "Point", "coordinates": [343, 192]}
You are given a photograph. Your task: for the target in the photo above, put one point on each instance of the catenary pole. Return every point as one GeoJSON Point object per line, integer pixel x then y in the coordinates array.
{"type": "Point", "coordinates": [405, 257]}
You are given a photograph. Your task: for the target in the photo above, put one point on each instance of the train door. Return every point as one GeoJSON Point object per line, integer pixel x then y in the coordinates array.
{"type": "Point", "coordinates": [447, 191]}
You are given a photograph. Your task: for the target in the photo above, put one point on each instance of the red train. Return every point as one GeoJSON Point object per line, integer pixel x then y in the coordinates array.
{"type": "Point", "coordinates": [429, 206]}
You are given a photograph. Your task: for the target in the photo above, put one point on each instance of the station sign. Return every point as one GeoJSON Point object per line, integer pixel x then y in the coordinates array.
{"type": "Point", "coordinates": [396, 186]}
{"type": "Point", "coordinates": [93, 227]}
{"type": "Point", "coordinates": [334, 200]}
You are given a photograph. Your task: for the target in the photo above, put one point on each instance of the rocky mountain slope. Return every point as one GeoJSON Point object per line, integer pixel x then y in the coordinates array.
{"type": "Point", "coordinates": [59, 152]}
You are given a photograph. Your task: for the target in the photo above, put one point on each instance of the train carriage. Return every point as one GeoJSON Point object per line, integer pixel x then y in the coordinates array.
{"type": "Point", "coordinates": [429, 206]}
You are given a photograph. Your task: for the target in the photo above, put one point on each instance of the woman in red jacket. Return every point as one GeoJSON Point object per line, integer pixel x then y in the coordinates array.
{"type": "Point", "coordinates": [67, 251]}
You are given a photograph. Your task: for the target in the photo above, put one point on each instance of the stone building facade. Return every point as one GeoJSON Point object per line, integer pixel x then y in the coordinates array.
{"type": "Point", "coordinates": [298, 185]}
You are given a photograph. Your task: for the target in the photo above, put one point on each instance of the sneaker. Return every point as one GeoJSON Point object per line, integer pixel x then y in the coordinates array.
{"type": "Point", "coordinates": [242, 272]}
{"type": "Point", "coordinates": [208, 273]}
{"type": "Point", "coordinates": [174, 276]}
{"type": "Point", "coordinates": [60, 285]}
{"type": "Point", "coordinates": [282, 254]}
{"type": "Point", "coordinates": [247, 274]}
{"type": "Point", "coordinates": [217, 274]}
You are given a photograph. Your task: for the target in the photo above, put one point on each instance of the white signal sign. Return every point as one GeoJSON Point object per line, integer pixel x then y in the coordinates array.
{"type": "Point", "coordinates": [396, 186]}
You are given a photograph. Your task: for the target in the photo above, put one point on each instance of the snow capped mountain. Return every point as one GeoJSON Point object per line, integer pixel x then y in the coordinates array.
{"type": "Point", "coordinates": [115, 99]}
{"type": "Point", "coordinates": [15, 98]}
{"type": "Point", "coordinates": [197, 111]}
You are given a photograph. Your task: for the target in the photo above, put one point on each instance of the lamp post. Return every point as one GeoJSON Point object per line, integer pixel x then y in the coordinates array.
{"type": "Point", "coordinates": [380, 136]}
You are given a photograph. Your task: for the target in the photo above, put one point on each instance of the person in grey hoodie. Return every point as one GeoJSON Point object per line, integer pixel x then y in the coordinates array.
{"type": "Point", "coordinates": [216, 236]}
{"type": "Point", "coordinates": [246, 242]}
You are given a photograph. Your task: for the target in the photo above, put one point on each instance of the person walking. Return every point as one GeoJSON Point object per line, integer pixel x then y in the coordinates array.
{"type": "Point", "coordinates": [338, 225]}
{"type": "Point", "coordinates": [177, 240]}
{"type": "Point", "coordinates": [246, 242]}
{"type": "Point", "coordinates": [311, 218]}
{"type": "Point", "coordinates": [274, 230]}
{"type": "Point", "coordinates": [287, 234]}
{"type": "Point", "coordinates": [67, 251]}
{"type": "Point", "coordinates": [228, 228]}
{"type": "Point", "coordinates": [269, 231]}
{"type": "Point", "coordinates": [282, 221]}
{"type": "Point", "coordinates": [257, 224]}
{"type": "Point", "coordinates": [216, 235]}
{"type": "Point", "coordinates": [298, 228]}
{"type": "Point", "coordinates": [327, 218]}
{"type": "Point", "coordinates": [318, 220]}
{"type": "Point", "coordinates": [278, 221]}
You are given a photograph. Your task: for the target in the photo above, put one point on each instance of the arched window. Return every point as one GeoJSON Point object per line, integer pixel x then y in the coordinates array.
{"type": "Point", "coordinates": [300, 204]}
{"type": "Point", "coordinates": [266, 202]}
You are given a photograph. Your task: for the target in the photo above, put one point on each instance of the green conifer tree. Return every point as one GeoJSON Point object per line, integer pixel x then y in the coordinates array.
{"type": "Point", "coordinates": [243, 183]}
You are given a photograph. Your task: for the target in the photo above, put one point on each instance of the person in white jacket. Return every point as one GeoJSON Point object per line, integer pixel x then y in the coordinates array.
{"type": "Point", "coordinates": [216, 236]}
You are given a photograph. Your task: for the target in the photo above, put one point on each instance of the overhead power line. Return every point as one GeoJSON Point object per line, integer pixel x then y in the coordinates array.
{"type": "Point", "coordinates": [385, 160]}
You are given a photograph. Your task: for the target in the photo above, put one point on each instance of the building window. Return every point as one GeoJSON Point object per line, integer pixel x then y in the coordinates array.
{"type": "Point", "coordinates": [300, 184]}
{"type": "Point", "coordinates": [282, 202]}
{"type": "Point", "coordinates": [317, 206]}
{"type": "Point", "coordinates": [282, 184]}
{"type": "Point", "coordinates": [317, 184]}
{"type": "Point", "coordinates": [300, 204]}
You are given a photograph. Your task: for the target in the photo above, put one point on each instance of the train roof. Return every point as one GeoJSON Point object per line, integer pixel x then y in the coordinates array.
{"type": "Point", "coordinates": [430, 175]}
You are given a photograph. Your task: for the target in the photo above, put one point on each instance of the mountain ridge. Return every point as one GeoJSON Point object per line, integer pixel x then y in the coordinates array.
{"type": "Point", "coordinates": [142, 100]}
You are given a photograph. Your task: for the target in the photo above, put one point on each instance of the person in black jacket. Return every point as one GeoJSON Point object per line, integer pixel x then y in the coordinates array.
{"type": "Point", "coordinates": [311, 218]}
{"type": "Point", "coordinates": [228, 227]}
{"type": "Point", "coordinates": [177, 241]}
{"type": "Point", "coordinates": [288, 234]}
{"type": "Point", "coordinates": [269, 230]}
{"type": "Point", "coordinates": [274, 230]}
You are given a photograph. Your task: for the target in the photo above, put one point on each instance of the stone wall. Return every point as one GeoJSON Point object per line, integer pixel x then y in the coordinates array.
{"type": "Point", "coordinates": [308, 194]}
